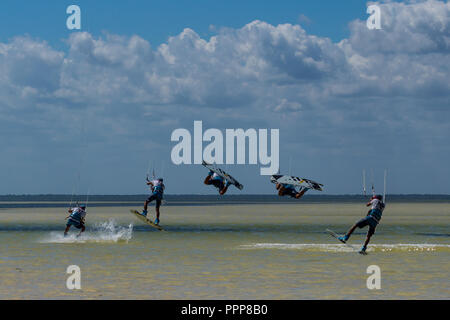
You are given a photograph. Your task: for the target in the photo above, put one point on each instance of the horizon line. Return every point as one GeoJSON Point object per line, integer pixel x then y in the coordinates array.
{"type": "Point", "coordinates": [234, 195]}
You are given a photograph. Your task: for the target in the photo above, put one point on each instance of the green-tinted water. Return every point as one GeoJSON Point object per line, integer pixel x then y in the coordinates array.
{"type": "Point", "coordinates": [227, 252]}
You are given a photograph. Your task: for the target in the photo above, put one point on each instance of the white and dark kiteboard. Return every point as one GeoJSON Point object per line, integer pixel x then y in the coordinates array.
{"type": "Point", "coordinates": [146, 220]}
{"type": "Point", "coordinates": [296, 181]}
{"type": "Point", "coordinates": [223, 174]}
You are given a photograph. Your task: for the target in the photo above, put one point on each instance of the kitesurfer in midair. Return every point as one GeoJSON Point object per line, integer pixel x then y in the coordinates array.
{"type": "Point", "coordinates": [217, 181]}
{"type": "Point", "coordinates": [372, 219]}
{"type": "Point", "coordinates": [157, 187]}
{"type": "Point", "coordinates": [290, 190]}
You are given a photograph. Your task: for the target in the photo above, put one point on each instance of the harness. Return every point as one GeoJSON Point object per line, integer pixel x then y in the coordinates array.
{"type": "Point", "coordinates": [76, 214]}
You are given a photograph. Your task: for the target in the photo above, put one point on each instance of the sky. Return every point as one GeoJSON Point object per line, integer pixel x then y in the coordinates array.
{"type": "Point", "coordinates": [91, 110]}
{"type": "Point", "coordinates": [156, 21]}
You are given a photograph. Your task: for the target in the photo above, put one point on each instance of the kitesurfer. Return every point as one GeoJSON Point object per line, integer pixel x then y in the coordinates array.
{"type": "Point", "coordinates": [217, 181]}
{"type": "Point", "coordinates": [76, 218]}
{"type": "Point", "coordinates": [290, 190]}
{"type": "Point", "coordinates": [157, 187]}
{"type": "Point", "coordinates": [372, 219]}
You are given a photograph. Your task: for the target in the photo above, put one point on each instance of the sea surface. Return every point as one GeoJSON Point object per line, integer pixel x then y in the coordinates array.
{"type": "Point", "coordinates": [226, 251]}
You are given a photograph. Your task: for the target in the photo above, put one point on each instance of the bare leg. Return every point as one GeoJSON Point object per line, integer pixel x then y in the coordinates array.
{"type": "Point", "coordinates": [352, 229]}
{"type": "Point", "coordinates": [157, 213]}
{"type": "Point", "coordinates": [369, 235]}
{"type": "Point", "coordinates": [82, 230]}
{"type": "Point", "coordinates": [222, 192]}
{"type": "Point", "coordinates": [67, 230]}
{"type": "Point", "coordinates": [146, 205]}
{"type": "Point", "coordinates": [208, 180]}
{"type": "Point", "coordinates": [281, 190]}
{"type": "Point", "coordinates": [301, 193]}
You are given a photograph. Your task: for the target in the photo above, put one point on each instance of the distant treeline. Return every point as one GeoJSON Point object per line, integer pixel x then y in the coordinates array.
{"type": "Point", "coordinates": [185, 199]}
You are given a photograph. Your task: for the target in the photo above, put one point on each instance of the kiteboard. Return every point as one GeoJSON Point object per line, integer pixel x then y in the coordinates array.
{"type": "Point", "coordinates": [223, 174]}
{"type": "Point", "coordinates": [296, 181]}
{"type": "Point", "coordinates": [333, 234]}
{"type": "Point", "coordinates": [146, 220]}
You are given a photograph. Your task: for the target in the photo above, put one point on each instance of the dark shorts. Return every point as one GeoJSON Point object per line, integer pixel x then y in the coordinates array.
{"type": "Point", "coordinates": [368, 221]}
{"type": "Point", "coordinates": [290, 192]}
{"type": "Point", "coordinates": [157, 197]}
{"type": "Point", "coordinates": [74, 223]}
{"type": "Point", "coordinates": [217, 183]}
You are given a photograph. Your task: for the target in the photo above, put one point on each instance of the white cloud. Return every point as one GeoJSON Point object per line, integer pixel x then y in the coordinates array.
{"type": "Point", "coordinates": [376, 82]}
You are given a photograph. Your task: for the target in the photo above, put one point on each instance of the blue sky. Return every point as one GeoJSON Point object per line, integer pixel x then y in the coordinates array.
{"type": "Point", "coordinates": [157, 20]}
{"type": "Point", "coordinates": [103, 102]}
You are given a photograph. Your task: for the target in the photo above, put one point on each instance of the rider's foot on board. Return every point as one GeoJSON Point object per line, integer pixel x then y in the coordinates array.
{"type": "Point", "coordinates": [343, 239]}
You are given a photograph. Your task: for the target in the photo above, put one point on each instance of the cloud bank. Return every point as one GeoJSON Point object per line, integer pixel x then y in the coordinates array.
{"type": "Point", "coordinates": [380, 97]}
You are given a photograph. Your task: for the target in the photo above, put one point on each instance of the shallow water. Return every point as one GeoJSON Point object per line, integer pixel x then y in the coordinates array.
{"type": "Point", "coordinates": [226, 252]}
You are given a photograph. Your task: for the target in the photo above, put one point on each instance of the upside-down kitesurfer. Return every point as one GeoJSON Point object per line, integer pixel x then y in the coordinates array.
{"type": "Point", "coordinates": [290, 190]}
{"type": "Point", "coordinates": [217, 181]}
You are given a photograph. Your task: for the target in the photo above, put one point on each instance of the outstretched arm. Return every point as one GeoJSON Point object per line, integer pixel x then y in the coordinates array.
{"type": "Point", "coordinates": [368, 204]}
{"type": "Point", "coordinates": [70, 211]}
